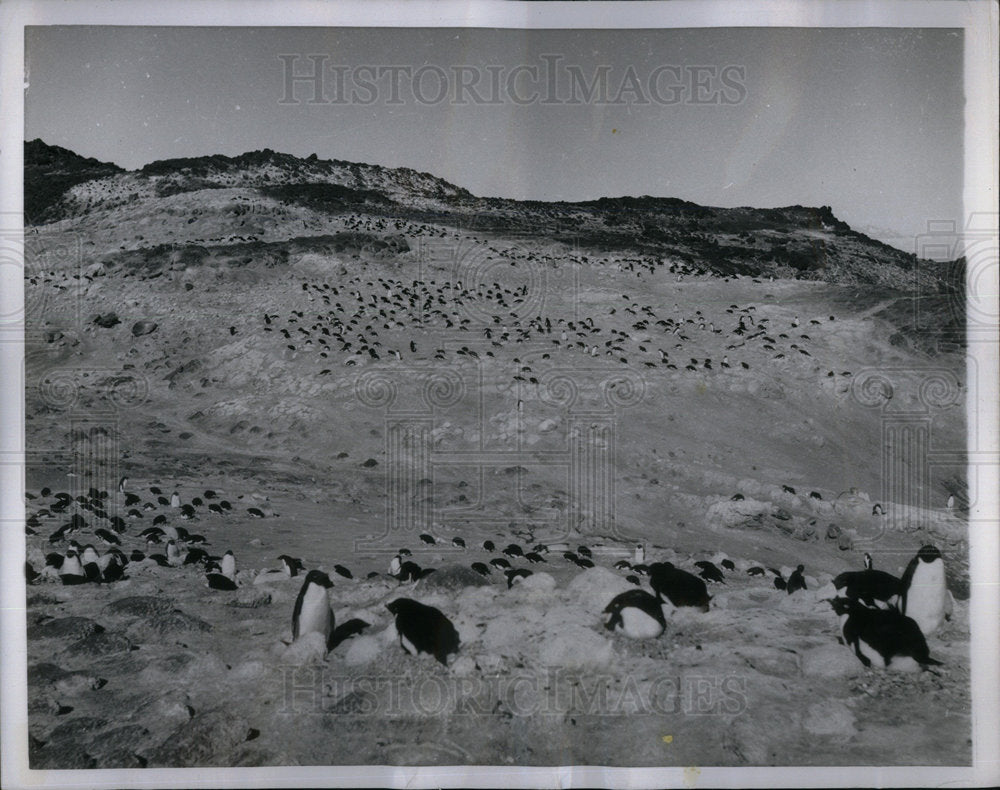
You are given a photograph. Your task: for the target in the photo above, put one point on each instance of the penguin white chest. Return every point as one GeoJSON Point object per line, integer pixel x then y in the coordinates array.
{"type": "Point", "coordinates": [636, 624]}
{"type": "Point", "coordinates": [927, 596]}
{"type": "Point", "coordinates": [315, 614]}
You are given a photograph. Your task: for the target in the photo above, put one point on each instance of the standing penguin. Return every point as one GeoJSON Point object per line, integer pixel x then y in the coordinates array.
{"type": "Point", "coordinates": [637, 614]}
{"type": "Point", "coordinates": [796, 581]}
{"type": "Point", "coordinates": [924, 596]}
{"type": "Point", "coordinates": [640, 554]}
{"type": "Point", "coordinates": [175, 499]}
{"type": "Point", "coordinates": [312, 610]}
{"type": "Point", "coordinates": [423, 629]}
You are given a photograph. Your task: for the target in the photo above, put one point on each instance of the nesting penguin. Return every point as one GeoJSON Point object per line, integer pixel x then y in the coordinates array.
{"type": "Point", "coordinates": [878, 636]}
{"type": "Point", "coordinates": [226, 578]}
{"type": "Point", "coordinates": [637, 614]}
{"type": "Point", "coordinates": [424, 629]}
{"type": "Point", "coordinates": [679, 587]}
{"type": "Point", "coordinates": [872, 587]}
{"type": "Point", "coordinates": [924, 596]}
{"type": "Point", "coordinates": [312, 610]}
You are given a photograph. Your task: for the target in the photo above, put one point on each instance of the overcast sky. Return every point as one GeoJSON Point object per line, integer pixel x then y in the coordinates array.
{"type": "Point", "coordinates": [867, 121]}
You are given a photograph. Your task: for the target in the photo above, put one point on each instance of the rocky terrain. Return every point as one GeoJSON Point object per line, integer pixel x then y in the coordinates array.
{"type": "Point", "coordinates": [351, 356]}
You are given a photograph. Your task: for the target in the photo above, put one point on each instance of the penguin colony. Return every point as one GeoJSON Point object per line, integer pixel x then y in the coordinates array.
{"type": "Point", "coordinates": [882, 618]}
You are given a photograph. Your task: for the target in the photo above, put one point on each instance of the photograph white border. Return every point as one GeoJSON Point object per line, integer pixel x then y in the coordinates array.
{"type": "Point", "coordinates": [978, 19]}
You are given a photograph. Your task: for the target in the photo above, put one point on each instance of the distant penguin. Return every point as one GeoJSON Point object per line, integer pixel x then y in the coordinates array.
{"type": "Point", "coordinates": [489, 545]}
{"type": "Point", "coordinates": [229, 565]}
{"type": "Point", "coordinates": [89, 554]}
{"type": "Point", "coordinates": [513, 550]}
{"type": "Point", "coordinates": [499, 562]}
{"type": "Point", "coordinates": [877, 510]}
{"type": "Point", "coordinates": [925, 597]}
{"type": "Point", "coordinates": [340, 570]}
{"type": "Point", "coordinates": [428, 539]}
{"type": "Point", "coordinates": [291, 565]}
{"type": "Point", "coordinates": [424, 629]}
{"type": "Point", "coordinates": [395, 566]}
{"type": "Point", "coordinates": [951, 502]}
{"type": "Point", "coordinates": [175, 500]}
{"type": "Point", "coordinates": [122, 483]}
{"type": "Point", "coordinates": [780, 583]}
{"type": "Point", "coordinates": [796, 581]}
{"type": "Point", "coordinates": [637, 614]}
{"type": "Point", "coordinates": [481, 568]}
{"type": "Point", "coordinates": [677, 586]}
{"type": "Point", "coordinates": [880, 635]}
{"type": "Point", "coordinates": [639, 556]}
{"type": "Point", "coordinates": [729, 565]}
{"type": "Point", "coordinates": [458, 543]}
{"type": "Point", "coordinates": [312, 612]}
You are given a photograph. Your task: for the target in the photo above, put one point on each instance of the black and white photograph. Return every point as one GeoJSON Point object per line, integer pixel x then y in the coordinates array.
{"type": "Point", "coordinates": [499, 394]}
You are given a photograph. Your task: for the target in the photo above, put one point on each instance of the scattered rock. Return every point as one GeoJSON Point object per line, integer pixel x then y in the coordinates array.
{"type": "Point", "coordinates": [452, 578]}
{"type": "Point", "coordinates": [139, 606]}
{"type": "Point", "coordinates": [830, 661]}
{"type": "Point", "coordinates": [250, 598]}
{"type": "Point", "coordinates": [100, 643]}
{"type": "Point", "coordinates": [107, 320]}
{"type": "Point", "coordinates": [64, 628]}
{"type": "Point", "coordinates": [205, 740]}
{"type": "Point", "coordinates": [830, 717]}
{"type": "Point", "coordinates": [140, 328]}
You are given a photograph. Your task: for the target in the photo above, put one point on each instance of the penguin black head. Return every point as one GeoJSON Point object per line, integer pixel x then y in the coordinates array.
{"type": "Point", "coordinates": [929, 553]}
{"type": "Point", "coordinates": [319, 578]}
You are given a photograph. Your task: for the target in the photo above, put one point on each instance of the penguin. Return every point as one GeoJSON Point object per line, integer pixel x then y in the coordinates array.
{"type": "Point", "coordinates": [583, 551]}
{"type": "Point", "coordinates": [489, 545]}
{"type": "Point", "coordinates": [924, 596]}
{"type": "Point", "coordinates": [114, 569]}
{"type": "Point", "coordinates": [424, 629]}
{"type": "Point", "coordinates": [312, 612]}
{"type": "Point", "coordinates": [481, 568]}
{"type": "Point", "coordinates": [880, 635]}
{"type": "Point", "coordinates": [513, 550]}
{"type": "Point", "coordinates": [291, 565]}
{"type": "Point", "coordinates": [877, 510]}
{"type": "Point", "coordinates": [499, 562]}
{"type": "Point", "coordinates": [174, 556]}
{"type": "Point", "coordinates": [534, 557]}
{"type": "Point", "coordinates": [872, 587]}
{"type": "Point", "coordinates": [226, 579]}
{"type": "Point", "coordinates": [122, 483]}
{"type": "Point", "coordinates": [729, 565]}
{"type": "Point", "coordinates": [175, 499]}
{"type": "Point", "coordinates": [623, 565]}
{"type": "Point", "coordinates": [428, 539]}
{"type": "Point", "coordinates": [89, 555]}
{"type": "Point", "coordinates": [340, 570]}
{"type": "Point", "coordinates": [516, 575]}
{"type": "Point", "coordinates": [395, 566]}
{"type": "Point", "coordinates": [71, 570]}
{"type": "Point", "coordinates": [345, 631]}
{"type": "Point", "coordinates": [709, 572]}
{"type": "Point", "coordinates": [639, 556]}
{"type": "Point", "coordinates": [458, 543]}
{"type": "Point", "coordinates": [780, 583]}
{"type": "Point", "coordinates": [637, 614]}
{"type": "Point", "coordinates": [796, 581]}
{"type": "Point", "coordinates": [950, 505]}
{"type": "Point", "coordinates": [679, 587]}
